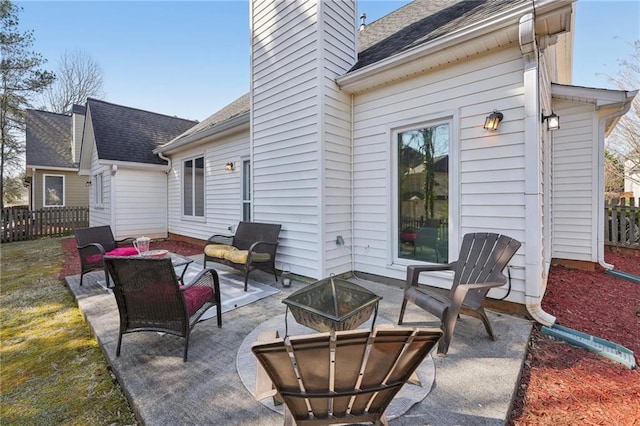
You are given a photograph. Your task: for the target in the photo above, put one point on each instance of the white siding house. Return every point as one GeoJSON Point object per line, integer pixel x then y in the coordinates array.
{"type": "Point", "coordinates": [335, 120]}
{"type": "Point", "coordinates": [128, 183]}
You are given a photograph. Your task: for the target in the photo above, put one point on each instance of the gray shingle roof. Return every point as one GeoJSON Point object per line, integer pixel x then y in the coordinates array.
{"type": "Point", "coordinates": [419, 22]}
{"type": "Point", "coordinates": [234, 109]}
{"type": "Point", "coordinates": [48, 139]}
{"type": "Point", "coordinates": [130, 134]}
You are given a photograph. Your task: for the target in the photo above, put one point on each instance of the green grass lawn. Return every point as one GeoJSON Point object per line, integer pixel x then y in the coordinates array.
{"type": "Point", "coordinates": [52, 369]}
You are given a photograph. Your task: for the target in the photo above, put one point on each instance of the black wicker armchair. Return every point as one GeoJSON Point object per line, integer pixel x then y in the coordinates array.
{"type": "Point", "coordinates": [150, 297]}
{"type": "Point", "coordinates": [94, 243]}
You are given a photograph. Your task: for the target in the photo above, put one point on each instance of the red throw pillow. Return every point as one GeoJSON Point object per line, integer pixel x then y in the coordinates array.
{"type": "Point", "coordinates": [120, 251]}
{"type": "Point", "coordinates": [123, 251]}
{"type": "Point", "coordinates": [196, 296]}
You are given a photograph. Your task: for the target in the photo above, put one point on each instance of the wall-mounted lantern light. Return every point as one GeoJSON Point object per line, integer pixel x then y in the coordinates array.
{"type": "Point", "coordinates": [228, 167]}
{"type": "Point", "coordinates": [492, 121]}
{"type": "Point", "coordinates": [553, 121]}
{"type": "Point", "coordinates": [88, 183]}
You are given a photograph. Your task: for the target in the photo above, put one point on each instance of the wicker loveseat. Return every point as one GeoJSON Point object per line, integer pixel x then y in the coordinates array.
{"type": "Point", "coordinates": [252, 247]}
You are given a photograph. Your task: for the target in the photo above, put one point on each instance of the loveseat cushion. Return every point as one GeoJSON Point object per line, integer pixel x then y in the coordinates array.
{"type": "Point", "coordinates": [218, 250]}
{"type": "Point", "coordinates": [120, 251]}
{"type": "Point", "coordinates": [241, 256]}
{"type": "Point", "coordinates": [196, 296]}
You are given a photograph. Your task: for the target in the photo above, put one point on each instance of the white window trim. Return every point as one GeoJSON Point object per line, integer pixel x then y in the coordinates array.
{"type": "Point", "coordinates": [242, 183]}
{"type": "Point", "coordinates": [98, 191]}
{"type": "Point", "coordinates": [451, 117]}
{"type": "Point", "coordinates": [44, 191]}
{"type": "Point", "coordinates": [193, 217]}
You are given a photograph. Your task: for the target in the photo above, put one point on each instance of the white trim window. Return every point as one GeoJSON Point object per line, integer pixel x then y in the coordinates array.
{"type": "Point", "coordinates": [98, 190]}
{"type": "Point", "coordinates": [246, 190]}
{"type": "Point", "coordinates": [53, 191]}
{"type": "Point", "coordinates": [422, 207]}
{"type": "Point", "coordinates": [193, 187]}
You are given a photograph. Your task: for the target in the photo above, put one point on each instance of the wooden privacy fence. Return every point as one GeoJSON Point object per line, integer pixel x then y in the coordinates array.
{"type": "Point", "coordinates": [622, 222]}
{"type": "Point", "coordinates": [20, 224]}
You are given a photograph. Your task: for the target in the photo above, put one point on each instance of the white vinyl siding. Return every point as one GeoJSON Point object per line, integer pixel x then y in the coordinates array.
{"type": "Point", "coordinates": [99, 213]}
{"type": "Point", "coordinates": [487, 168]}
{"type": "Point", "coordinates": [223, 190]}
{"type": "Point", "coordinates": [300, 129]}
{"type": "Point", "coordinates": [141, 206]}
{"type": "Point", "coordinates": [574, 163]}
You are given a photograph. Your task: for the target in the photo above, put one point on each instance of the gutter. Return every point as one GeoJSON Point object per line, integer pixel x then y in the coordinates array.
{"type": "Point", "coordinates": [225, 127]}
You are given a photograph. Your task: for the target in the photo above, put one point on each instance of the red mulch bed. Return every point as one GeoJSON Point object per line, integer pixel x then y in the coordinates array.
{"type": "Point", "coordinates": [561, 384]}
{"type": "Point", "coordinates": [565, 385]}
{"type": "Point", "coordinates": [72, 263]}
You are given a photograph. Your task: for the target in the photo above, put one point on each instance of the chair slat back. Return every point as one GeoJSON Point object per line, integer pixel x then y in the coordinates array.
{"type": "Point", "coordinates": [483, 257]}
{"type": "Point", "coordinates": [344, 375]}
{"type": "Point", "coordinates": [248, 233]}
{"type": "Point", "coordinates": [147, 293]}
{"type": "Point", "coordinates": [96, 234]}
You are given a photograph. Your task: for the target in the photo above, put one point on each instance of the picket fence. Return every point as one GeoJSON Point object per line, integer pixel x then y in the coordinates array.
{"type": "Point", "coordinates": [20, 223]}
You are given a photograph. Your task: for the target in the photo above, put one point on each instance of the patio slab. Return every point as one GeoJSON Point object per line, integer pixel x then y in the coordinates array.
{"type": "Point", "coordinates": [474, 384]}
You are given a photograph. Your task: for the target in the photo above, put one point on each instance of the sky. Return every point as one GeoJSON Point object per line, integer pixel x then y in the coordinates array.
{"type": "Point", "coordinates": [190, 59]}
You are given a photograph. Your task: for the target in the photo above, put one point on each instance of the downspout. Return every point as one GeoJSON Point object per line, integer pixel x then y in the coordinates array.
{"type": "Point", "coordinates": [601, 219]}
{"type": "Point", "coordinates": [166, 204]}
{"type": "Point", "coordinates": [353, 224]}
{"type": "Point", "coordinates": [533, 247]}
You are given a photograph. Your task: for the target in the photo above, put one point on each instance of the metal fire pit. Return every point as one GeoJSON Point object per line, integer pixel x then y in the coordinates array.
{"type": "Point", "coordinates": [332, 305]}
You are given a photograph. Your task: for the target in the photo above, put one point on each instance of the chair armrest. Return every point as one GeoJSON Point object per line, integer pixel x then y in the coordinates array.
{"type": "Point", "coordinates": [90, 249]}
{"type": "Point", "coordinates": [484, 285]}
{"type": "Point", "coordinates": [221, 239]}
{"type": "Point", "coordinates": [414, 271]}
{"type": "Point", "coordinates": [125, 240]}
{"type": "Point", "coordinates": [207, 277]}
{"type": "Point", "coordinates": [259, 243]}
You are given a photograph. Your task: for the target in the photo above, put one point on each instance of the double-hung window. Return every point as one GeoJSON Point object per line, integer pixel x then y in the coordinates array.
{"type": "Point", "coordinates": [422, 210]}
{"type": "Point", "coordinates": [53, 189]}
{"type": "Point", "coordinates": [193, 187]}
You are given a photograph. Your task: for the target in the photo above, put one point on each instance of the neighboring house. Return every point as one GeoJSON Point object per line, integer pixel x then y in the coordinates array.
{"type": "Point", "coordinates": [52, 153]}
{"type": "Point", "coordinates": [128, 181]}
{"type": "Point", "coordinates": [632, 179]}
{"type": "Point", "coordinates": [338, 121]}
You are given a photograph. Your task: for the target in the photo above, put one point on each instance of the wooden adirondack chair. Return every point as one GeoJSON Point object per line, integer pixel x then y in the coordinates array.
{"type": "Point", "coordinates": [344, 376]}
{"type": "Point", "coordinates": [483, 257]}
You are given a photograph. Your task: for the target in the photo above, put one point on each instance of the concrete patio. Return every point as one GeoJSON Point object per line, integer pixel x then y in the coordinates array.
{"type": "Point", "coordinates": [474, 384]}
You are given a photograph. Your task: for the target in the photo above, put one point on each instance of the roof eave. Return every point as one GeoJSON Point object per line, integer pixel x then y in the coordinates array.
{"type": "Point", "coordinates": [435, 53]}
{"type": "Point", "coordinates": [499, 30]}
{"type": "Point", "coordinates": [226, 127]}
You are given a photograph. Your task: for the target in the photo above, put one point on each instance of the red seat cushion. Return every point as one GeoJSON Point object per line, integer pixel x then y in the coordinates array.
{"type": "Point", "coordinates": [120, 251]}
{"type": "Point", "coordinates": [196, 296]}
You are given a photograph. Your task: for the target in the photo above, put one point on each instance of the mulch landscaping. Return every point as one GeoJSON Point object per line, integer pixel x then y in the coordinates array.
{"type": "Point", "coordinates": [565, 385]}
{"type": "Point", "coordinates": [561, 384]}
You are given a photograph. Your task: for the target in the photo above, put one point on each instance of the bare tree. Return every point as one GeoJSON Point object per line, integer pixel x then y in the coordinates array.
{"type": "Point", "coordinates": [624, 142]}
{"type": "Point", "coordinates": [78, 77]}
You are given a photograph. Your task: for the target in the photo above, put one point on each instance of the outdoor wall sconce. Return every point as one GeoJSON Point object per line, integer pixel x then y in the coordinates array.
{"type": "Point", "coordinates": [553, 121]}
{"type": "Point", "coordinates": [88, 183]}
{"type": "Point", "coordinates": [492, 121]}
{"type": "Point", "coordinates": [228, 167]}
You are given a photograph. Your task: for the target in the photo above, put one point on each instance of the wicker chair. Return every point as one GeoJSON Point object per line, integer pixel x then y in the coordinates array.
{"type": "Point", "coordinates": [479, 268]}
{"type": "Point", "coordinates": [94, 243]}
{"type": "Point", "coordinates": [346, 376]}
{"type": "Point", "coordinates": [252, 247]}
{"type": "Point", "coordinates": [150, 297]}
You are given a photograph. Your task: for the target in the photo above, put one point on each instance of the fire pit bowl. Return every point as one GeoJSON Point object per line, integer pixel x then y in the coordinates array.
{"type": "Point", "coordinates": [332, 304]}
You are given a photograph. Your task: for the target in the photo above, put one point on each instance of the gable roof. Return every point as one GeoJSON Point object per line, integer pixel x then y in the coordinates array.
{"type": "Point", "coordinates": [129, 134]}
{"type": "Point", "coordinates": [419, 22]}
{"type": "Point", "coordinates": [48, 140]}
